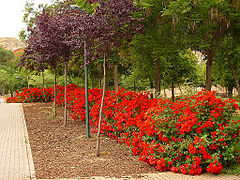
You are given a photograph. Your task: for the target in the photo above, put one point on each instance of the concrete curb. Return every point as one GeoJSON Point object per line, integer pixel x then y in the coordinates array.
{"type": "Point", "coordinates": [28, 148]}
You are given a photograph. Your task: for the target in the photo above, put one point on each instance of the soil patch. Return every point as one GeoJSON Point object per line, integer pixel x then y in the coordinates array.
{"type": "Point", "coordinates": [65, 152]}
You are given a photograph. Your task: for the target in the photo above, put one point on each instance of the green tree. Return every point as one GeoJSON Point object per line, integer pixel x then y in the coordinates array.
{"type": "Point", "coordinates": [227, 65]}
{"type": "Point", "coordinates": [5, 56]}
{"type": "Point", "coordinates": [203, 23]}
{"type": "Point", "coordinates": [8, 66]}
{"type": "Point", "coordinates": [151, 50]}
{"type": "Point", "coordinates": [181, 67]}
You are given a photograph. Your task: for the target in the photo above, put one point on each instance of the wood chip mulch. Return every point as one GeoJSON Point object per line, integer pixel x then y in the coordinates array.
{"type": "Point", "coordinates": [65, 152]}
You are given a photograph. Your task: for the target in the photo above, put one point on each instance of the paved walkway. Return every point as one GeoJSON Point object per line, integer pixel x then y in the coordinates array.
{"type": "Point", "coordinates": [16, 161]}
{"type": "Point", "coordinates": [15, 154]}
{"type": "Point", "coordinates": [169, 176]}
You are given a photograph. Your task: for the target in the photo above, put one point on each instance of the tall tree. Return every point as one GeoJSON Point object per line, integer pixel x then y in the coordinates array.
{"type": "Point", "coordinates": [42, 47]}
{"type": "Point", "coordinates": [50, 41]}
{"type": "Point", "coordinates": [161, 41]}
{"type": "Point", "coordinates": [227, 65]}
{"type": "Point", "coordinates": [115, 26]}
{"type": "Point", "coordinates": [204, 24]}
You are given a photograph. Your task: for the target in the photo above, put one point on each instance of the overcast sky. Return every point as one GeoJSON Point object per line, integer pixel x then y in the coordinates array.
{"type": "Point", "coordinates": [11, 16]}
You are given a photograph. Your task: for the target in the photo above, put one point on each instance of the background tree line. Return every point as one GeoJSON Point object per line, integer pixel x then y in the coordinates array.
{"type": "Point", "coordinates": [162, 55]}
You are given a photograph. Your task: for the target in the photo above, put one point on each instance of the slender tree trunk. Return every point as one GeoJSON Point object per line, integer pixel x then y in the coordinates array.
{"type": "Point", "coordinates": [115, 72]}
{"type": "Point", "coordinates": [230, 92]}
{"type": "Point", "coordinates": [44, 95]}
{"type": "Point", "coordinates": [100, 83]}
{"type": "Point", "coordinates": [157, 66]}
{"type": "Point", "coordinates": [173, 98]}
{"type": "Point", "coordinates": [179, 87]}
{"type": "Point", "coordinates": [101, 108]}
{"type": "Point", "coordinates": [237, 81]}
{"type": "Point", "coordinates": [151, 82]}
{"type": "Point", "coordinates": [134, 85]}
{"type": "Point", "coordinates": [164, 89]}
{"type": "Point", "coordinates": [28, 80]}
{"type": "Point", "coordinates": [217, 36]}
{"type": "Point", "coordinates": [55, 92]}
{"type": "Point", "coordinates": [65, 95]}
{"type": "Point", "coordinates": [235, 74]}
{"type": "Point", "coordinates": [209, 71]}
{"type": "Point", "coordinates": [106, 76]}
{"type": "Point", "coordinates": [94, 82]}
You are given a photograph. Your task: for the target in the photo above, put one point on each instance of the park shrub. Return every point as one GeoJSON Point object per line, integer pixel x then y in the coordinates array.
{"type": "Point", "coordinates": [32, 95]}
{"type": "Point", "coordinates": [192, 135]}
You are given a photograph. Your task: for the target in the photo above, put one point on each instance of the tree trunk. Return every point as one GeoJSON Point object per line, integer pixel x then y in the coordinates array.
{"type": "Point", "coordinates": [151, 82]}
{"type": "Point", "coordinates": [106, 77]}
{"type": "Point", "coordinates": [173, 98]}
{"type": "Point", "coordinates": [164, 89]}
{"type": "Point", "coordinates": [237, 81]}
{"type": "Point", "coordinates": [94, 82]}
{"type": "Point", "coordinates": [28, 80]}
{"type": "Point", "coordinates": [209, 71]}
{"type": "Point", "coordinates": [217, 36]}
{"type": "Point", "coordinates": [100, 83]}
{"type": "Point", "coordinates": [101, 108]}
{"type": "Point", "coordinates": [157, 77]}
{"type": "Point", "coordinates": [55, 92]}
{"type": "Point", "coordinates": [44, 95]}
{"type": "Point", "coordinates": [230, 92]}
{"type": "Point", "coordinates": [115, 72]}
{"type": "Point", "coordinates": [134, 85]}
{"type": "Point", "coordinates": [179, 87]}
{"type": "Point", "coordinates": [65, 95]}
{"type": "Point", "coordinates": [235, 74]}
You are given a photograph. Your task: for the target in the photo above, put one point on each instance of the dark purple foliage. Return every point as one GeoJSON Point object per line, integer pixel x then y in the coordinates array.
{"type": "Point", "coordinates": [57, 35]}
{"type": "Point", "coordinates": [115, 23]}
{"type": "Point", "coordinates": [54, 38]}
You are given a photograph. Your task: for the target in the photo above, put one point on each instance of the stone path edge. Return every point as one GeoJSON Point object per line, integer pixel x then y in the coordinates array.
{"type": "Point", "coordinates": [28, 148]}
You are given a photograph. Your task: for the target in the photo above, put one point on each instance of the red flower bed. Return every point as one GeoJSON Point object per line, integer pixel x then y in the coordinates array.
{"type": "Point", "coordinates": [191, 136]}
{"type": "Point", "coordinates": [32, 95]}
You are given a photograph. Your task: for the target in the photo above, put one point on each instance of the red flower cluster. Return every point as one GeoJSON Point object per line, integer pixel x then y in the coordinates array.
{"type": "Point", "coordinates": [192, 149]}
{"type": "Point", "coordinates": [215, 167]}
{"type": "Point", "coordinates": [32, 95]}
{"type": "Point", "coordinates": [180, 137]}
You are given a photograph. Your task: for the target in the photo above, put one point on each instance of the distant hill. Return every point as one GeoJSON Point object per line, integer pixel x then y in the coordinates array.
{"type": "Point", "coordinates": [12, 44]}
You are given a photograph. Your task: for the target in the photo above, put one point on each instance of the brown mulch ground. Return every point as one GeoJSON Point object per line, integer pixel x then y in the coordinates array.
{"type": "Point", "coordinates": [65, 152]}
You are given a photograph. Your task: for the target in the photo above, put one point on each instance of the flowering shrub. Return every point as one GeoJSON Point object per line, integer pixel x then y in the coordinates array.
{"type": "Point", "coordinates": [32, 95]}
{"type": "Point", "coordinates": [190, 136]}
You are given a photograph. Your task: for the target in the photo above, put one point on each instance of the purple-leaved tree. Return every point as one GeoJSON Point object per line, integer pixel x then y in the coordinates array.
{"type": "Point", "coordinates": [115, 25]}
{"type": "Point", "coordinates": [42, 45]}
{"type": "Point", "coordinates": [54, 39]}
{"type": "Point", "coordinates": [29, 60]}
